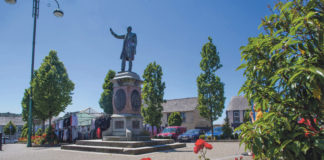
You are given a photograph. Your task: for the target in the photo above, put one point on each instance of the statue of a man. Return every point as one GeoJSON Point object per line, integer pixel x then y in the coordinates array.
{"type": "Point", "coordinates": [129, 47]}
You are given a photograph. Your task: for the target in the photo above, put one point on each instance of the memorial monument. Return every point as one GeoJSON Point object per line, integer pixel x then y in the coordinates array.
{"type": "Point", "coordinates": [126, 121]}
{"type": "Point", "coordinates": [126, 134]}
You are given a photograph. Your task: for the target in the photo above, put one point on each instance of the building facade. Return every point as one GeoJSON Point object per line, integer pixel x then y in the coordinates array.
{"type": "Point", "coordinates": [16, 119]}
{"type": "Point", "coordinates": [187, 107]}
{"type": "Point", "coordinates": [236, 109]}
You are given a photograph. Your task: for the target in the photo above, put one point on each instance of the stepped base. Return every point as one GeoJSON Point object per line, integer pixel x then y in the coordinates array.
{"type": "Point", "coordinates": [124, 147]}
{"type": "Point", "coordinates": [124, 138]}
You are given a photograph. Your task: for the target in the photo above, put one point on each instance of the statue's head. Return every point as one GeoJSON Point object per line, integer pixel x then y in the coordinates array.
{"type": "Point", "coordinates": [129, 29]}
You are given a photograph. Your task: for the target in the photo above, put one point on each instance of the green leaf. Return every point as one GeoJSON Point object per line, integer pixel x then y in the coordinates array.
{"type": "Point", "coordinates": [243, 65]}
{"type": "Point", "coordinates": [283, 145]}
{"type": "Point", "coordinates": [287, 5]}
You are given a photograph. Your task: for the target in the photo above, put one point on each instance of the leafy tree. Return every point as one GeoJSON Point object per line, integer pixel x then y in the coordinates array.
{"type": "Point", "coordinates": [36, 114]}
{"type": "Point", "coordinates": [152, 94]}
{"type": "Point", "coordinates": [24, 131]}
{"type": "Point", "coordinates": [52, 88]}
{"type": "Point", "coordinates": [10, 128]}
{"type": "Point", "coordinates": [105, 101]}
{"type": "Point", "coordinates": [227, 130]}
{"type": "Point", "coordinates": [175, 119]}
{"type": "Point", "coordinates": [210, 88]}
{"type": "Point", "coordinates": [39, 132]}
{"type": "Point", "coordinates": [284, 75]}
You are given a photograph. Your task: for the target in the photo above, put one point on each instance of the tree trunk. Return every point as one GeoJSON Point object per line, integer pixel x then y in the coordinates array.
{"type": "Point", "coordinates": [33, 133]}
{"type": "Point", "coordinates": [212, 128]}
{"type": "Point", "coordinates": [50, 121]}
{"type": "Point", "coordinates": [43, 125]}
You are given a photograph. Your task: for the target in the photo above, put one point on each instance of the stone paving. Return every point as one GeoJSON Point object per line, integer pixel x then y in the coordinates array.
{"type": "Point", "coordinates": [220, 151]}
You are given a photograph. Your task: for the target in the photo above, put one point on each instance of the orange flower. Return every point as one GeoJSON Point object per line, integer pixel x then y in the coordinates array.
{"type": "Point", "coordinates": [208, 146]}
{"type": "Point", "coordinates": [148, 158]}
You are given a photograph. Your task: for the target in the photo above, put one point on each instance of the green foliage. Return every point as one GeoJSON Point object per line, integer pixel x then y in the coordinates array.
{"type": "Point", "coordinates": [24, 131]}
{"type": "Point", "coordinates": [51, 137]}
{"type": "Point", "coordinates": [152, 94]}
{"type": "Point", "coordinates": [52, 88]}
{"type": "Point", "coordinates": [39, 132]}
{"type": "Point", "coordinates": [36, 114]}
{"type": "Point", "coordinates": [210, 89]}
{"type": "Point", "coordinates": [175, 119]}
{"type": "Point", "coordinates": [105, 101]}
{"type": "Point", "coordinates": [202, 136]}
{"type": "Point", "coordinates": [227, 130]}
{"type": "Point", "coordinates": [284, 74]}
{"type": "Point", "coordinates": [246, 116]}
{"type": "Point", "coordinates": [10, 128]}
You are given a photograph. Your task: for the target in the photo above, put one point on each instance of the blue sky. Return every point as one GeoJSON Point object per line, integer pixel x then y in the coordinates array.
{"type": "Point", "coordinates": [170, 32]}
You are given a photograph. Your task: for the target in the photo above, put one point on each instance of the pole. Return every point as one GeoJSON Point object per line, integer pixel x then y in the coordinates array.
{"type": "Point", "coordinates": [35, 15]}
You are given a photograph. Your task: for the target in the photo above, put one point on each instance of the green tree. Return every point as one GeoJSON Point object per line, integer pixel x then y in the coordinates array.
{"type": "Point", "coordinates": [10, 128]}
{"type": "Point", "coordinates": [52, 88]}
{"type": "Point", "coordinates": [227, 130]}
{"type": "Point", "coordinates": [175, 119]}
{"type": "Point", "coordinates": [37, 115]}
{"type": "Point", "coordinates": [152, 94]}
{"type": "Point", "coordinates": [24, 131]}
{"type": "Point", "coordinates": [105, 101]}
{"type": "Point", "coordinates": [210, 88]}
{"type": "Point", "coordinates": [284, 75]}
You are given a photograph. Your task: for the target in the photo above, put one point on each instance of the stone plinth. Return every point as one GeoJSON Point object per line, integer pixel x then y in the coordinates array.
{"type": "Point", "coordinates": [126, 122]}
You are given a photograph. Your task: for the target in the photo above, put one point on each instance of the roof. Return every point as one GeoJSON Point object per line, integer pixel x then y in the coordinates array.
{"type": "Point", "coordinates": [92, 112]}
{"type": "Point", "coordinates": [15, 120]}
{"type": "Point", "coordinates": [84, 119]}
{"type": "Point", "coordinates": [180, 105]}
{"type": "Point", "coordinates": [238, 103]}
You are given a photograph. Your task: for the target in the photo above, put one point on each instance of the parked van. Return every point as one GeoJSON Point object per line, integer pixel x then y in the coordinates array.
{"type": "Point", "coordinates": [172, 132]}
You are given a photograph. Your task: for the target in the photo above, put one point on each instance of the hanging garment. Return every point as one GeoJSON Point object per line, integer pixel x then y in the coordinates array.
{"type": "Point", "coordinates": [74, 120]}
{"type": "Point", "coordinates": [98, 133]}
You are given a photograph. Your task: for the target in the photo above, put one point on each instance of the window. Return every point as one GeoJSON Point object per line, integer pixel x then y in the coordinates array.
{"type": "Point", "coordinates": [183, 116]}
{"type": "Point", "coordinates": [236, 116]}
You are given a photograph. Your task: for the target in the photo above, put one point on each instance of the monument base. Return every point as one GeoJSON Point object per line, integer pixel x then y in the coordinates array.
{"type": "Point", "coordinates": [124, 147]}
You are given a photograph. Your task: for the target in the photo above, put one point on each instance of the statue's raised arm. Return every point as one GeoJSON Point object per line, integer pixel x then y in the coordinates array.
{"type": "Point", "coordinates": [117, 36]}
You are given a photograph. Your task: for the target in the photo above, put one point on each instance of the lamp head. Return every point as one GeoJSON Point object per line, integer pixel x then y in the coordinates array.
{"type": "Point", "coordinates": [11, 1]}
{"type": "Point", "coordinates": [58, 13]}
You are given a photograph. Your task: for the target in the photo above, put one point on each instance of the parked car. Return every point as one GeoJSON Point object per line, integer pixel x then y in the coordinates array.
{"type": "Point", "coordinates": [172, 132]}
{"type": "Point", "coordinates": [191, 135]}
{"type": "Point", "coordinates": [217, 132]}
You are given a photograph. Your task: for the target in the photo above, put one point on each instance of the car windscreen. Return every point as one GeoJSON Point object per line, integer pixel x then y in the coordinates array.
{"type": "Point", "coordinates": [169, 130]}
{"type": "Point", "coordinates": [192, 131]}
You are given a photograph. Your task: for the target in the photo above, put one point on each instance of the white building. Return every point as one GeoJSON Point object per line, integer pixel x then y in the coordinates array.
{"type": "Point", "coordinates": [236, 109]}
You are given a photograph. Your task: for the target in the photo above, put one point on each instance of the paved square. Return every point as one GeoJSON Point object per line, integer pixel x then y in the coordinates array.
{"type": "Point", "coordinates": [220, 151]}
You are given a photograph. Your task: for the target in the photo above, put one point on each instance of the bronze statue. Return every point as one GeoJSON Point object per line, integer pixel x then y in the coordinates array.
{"type": "Point", "coordinates": [129, 47]}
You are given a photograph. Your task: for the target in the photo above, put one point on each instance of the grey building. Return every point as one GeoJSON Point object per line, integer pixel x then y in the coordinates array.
{"type": "Point", "coordinates": [15, 119]}
{"type": "Point", "coordinates": [236, 109]}
{"type": "Point", "coordinates": [188, 111]}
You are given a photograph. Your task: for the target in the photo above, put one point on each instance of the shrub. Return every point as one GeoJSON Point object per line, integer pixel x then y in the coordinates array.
{"type": "Point", "coordinates": [175, 119]}
{"type": "Point", "coordinates": [39, 132]}
{"type": "Point", "coordinates": [202, 136]}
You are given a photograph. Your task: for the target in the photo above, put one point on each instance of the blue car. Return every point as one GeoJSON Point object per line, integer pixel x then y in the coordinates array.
{"type": "Point", "coordinates": [217, 132]}
{"type": "Point", "coordinates": [191, 135]}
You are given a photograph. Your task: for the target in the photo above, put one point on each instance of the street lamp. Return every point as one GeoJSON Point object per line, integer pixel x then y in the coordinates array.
{"type": "Point", "coordinates": [58, 13]}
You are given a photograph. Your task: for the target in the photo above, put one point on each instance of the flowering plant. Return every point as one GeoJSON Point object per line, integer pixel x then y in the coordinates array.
{"type": "Point", "coordinates": [148, 158]}
{"type": "Point", "coordinates": [201, 146]}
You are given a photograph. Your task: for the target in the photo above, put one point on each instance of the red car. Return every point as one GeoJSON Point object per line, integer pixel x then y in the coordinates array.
{"type": "Point", "coordinates": [172, 132]}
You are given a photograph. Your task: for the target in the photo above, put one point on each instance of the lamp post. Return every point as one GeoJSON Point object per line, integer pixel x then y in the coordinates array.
{"type": "Point", "coordinates": [58, 13]}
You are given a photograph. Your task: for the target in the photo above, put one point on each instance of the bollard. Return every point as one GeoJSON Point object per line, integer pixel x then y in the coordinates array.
{"type": "Point", "coordinates": [0, 141]}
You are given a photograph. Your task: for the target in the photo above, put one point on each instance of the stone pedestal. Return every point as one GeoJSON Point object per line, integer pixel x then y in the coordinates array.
{"type": "Point", "coordinates": [126, 121]}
